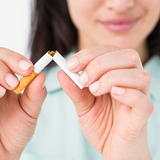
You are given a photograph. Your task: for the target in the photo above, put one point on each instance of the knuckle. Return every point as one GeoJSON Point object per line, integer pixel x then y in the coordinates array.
{"type": "Point", "coordinates": [145, 76]}
{"type": "Point", "coordinates": [151, 107]}
{"type": "Point", "coordinates": [9, 57]}
{"type": "Point", "coordinates": [110, 77]}
{"type": "Point", "coordinates": [14, 56]}
{"type": "Point", "coordinates": [90, 52]}
{"type": "Point", "coordinates": [1, 63]}
{"type": "Point", "coordinates": [2, 66]}
{"type": "Point", "coordinates": [113, 48]}
{"type": "Point", "coordinates": [132, 55]}
{"type": "Point", "coordinates": [137, 97]}
{"type": "Point", "coordinates": [97, 64]}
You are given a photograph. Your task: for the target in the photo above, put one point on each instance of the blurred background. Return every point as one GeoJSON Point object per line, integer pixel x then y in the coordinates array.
{"type": "Point", "coordinates": [15, 25]}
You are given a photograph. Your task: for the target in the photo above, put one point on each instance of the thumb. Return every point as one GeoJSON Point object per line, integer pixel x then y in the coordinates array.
{"type": "Point", "coordinates": [33, 96]}
{"type": "Point", "coordinates": [82, 98]}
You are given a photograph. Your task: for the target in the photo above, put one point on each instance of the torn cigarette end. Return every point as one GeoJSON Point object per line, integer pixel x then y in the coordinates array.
{"type": "Point", "coordinates": [24, 82]}
{"type": "Point", "coordinates": [52, 53]}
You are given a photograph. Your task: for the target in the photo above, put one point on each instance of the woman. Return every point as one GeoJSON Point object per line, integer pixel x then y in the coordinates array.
{"type": "Point", "coordinates": [115, 38]}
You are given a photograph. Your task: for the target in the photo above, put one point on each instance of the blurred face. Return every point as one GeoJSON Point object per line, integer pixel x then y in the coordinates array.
{"type": "Point", "coordinates": [125, 23]}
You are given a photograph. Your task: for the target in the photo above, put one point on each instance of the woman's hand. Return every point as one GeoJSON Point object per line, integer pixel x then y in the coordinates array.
{"type": "Point", "coordinates": [113, 115]}
{"type": "Point", "coordinates": [18, 113]}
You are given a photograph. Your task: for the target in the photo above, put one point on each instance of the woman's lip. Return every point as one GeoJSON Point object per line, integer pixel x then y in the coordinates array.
{"type": "Point", "coordinates": [119, 25]}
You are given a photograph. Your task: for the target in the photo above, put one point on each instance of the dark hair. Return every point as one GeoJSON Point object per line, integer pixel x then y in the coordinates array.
{"type": "Point", "coordinates": [153, 40]}
{"type": "Point", "coordinates": [52, 29]}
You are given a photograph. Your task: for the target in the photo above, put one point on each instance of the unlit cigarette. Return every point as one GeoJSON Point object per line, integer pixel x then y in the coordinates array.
{"type": "Point", "coordinates": [62, 63]}
{"type": "Point", "coordinates": [38, 67]}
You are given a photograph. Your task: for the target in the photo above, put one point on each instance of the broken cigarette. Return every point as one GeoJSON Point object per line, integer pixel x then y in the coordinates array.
{"type": "Point", "coordinates": [62, 63]}
{"type": "Point", "coordinates": [41, 64]}
{"type": "Point", "coordinates": [38, 67]}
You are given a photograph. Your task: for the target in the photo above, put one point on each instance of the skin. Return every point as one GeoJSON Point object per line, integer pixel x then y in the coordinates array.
{"type": "Point", "coordinates": [116, 125]}
{"type": "Point", "coordinates": [18, 113]}
{"type": "Point", "coordinates": [110, 119]}
{"type": "Point", "coordinates": [113, 123]}
{"type": "Point", "coordinates": [87, 15]}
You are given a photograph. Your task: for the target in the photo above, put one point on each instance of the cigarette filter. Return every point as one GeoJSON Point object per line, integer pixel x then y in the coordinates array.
{"type": "Point", "coordinates": [38, 67]}
{"type": "Point", "coordinates": [62, 63]}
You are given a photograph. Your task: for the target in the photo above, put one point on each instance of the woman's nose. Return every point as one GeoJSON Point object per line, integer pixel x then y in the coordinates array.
{"type": "Point", "coordinates": [119, 5]}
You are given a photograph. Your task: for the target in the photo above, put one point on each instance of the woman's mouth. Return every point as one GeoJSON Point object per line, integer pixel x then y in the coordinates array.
{"type": "Point", "coordinates": [119, 24]}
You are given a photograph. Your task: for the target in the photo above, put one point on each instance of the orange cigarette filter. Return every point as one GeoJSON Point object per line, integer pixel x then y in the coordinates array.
{"type": "Point", "coordinates": [24, 82]}
{"type": "Point", "coordinates": [38, 67]}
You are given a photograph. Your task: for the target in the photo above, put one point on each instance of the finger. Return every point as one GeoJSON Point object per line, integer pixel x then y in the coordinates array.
{"type": "Point", "coordinates": [16, 62]}
{"type": "Point", "coordinates": [127, 78]}
{"type": "Point", "coordinates": [81, 59]}
{"type": "Point", "coordinates": [34, 95]}
{"type": "Point", "coordinates": [120, 59]}
{"type": "Point", "coordinates": [142, 107]}
{"type": "Point", "coordinates": [7, 78]}
{"type": "Point", "coordinates": [82, 99]}
{"type": "Point", "coordinates": [2, 91]}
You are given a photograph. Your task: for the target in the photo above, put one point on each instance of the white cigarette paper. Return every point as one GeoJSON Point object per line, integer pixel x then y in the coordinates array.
{"type": "Point", "coordinates": [62, 63]}
{"type": "Point", "coordinates": [38, 67]}
{"type": "Point", "coordinates": [42, 63]}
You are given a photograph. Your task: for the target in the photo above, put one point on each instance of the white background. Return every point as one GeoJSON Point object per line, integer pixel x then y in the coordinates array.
{"type": "Point", "coordinates": [15, 25]}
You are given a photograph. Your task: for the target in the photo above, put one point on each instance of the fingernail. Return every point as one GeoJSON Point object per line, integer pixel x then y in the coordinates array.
{"type": "Point", "coordinates": [118, 90]}
{"type": "Point", "coordinates": [72, 63]}
{"type": "Point", "coordinates": [2, 91]}
{"type": "Point", "coordinates": [94, 87]}
{"type": "Point", "coordinates": [11, 80]}
{"type": "Point", "coordinates": [83, 79]}
{"type": "Point", "coordinates": [24, 65]}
